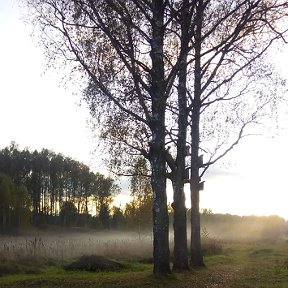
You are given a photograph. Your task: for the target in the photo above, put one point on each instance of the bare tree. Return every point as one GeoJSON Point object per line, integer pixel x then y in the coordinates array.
{"type": "Point", "coordinates": [230, 86]}
{"type": "Point", "coordinates": [124, 47]}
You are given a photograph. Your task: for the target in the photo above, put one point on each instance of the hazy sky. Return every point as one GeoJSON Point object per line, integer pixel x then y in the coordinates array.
{"type": "Point", "coordinates": [37, 112]}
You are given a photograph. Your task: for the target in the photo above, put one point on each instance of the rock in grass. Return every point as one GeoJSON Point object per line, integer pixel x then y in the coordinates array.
{"type": "Point", "coordinates": [94, 263]}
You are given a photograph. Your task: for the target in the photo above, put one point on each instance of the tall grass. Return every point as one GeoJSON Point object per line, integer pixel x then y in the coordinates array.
{"type": "Point", "coordinates": [66, 247]}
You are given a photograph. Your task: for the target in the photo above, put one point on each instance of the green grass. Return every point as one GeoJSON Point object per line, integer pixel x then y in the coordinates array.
{"type": "Point", "coordinates": [240, 265]}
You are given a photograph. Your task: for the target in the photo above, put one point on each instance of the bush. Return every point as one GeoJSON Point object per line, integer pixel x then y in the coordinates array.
{"type": "Point", "coordinates": [210, 245]}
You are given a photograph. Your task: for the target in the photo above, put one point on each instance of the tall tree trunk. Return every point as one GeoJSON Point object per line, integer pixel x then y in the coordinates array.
{"type": "Point", "coordinates": [180, 221]}
{"type": "Point", "coordinates": [157, 159]}
{"type": "Point", "coordinates": [180, 217]}
{"type": "Point", "coordinates": [157, 155]}
{"type": "Point", "coordinates": [161, 252]}
{"type": "Point", "coordinates": [196, 249]}
{"type": "Point", "coordinates": [180, 256]}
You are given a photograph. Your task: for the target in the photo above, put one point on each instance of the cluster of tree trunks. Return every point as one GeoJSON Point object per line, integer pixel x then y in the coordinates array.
{"type": "Point", "coordinates": [159, 69]}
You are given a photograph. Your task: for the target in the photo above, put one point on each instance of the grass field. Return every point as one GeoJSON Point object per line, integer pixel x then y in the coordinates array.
{"type": "Point", "coordinates": [238, 265]}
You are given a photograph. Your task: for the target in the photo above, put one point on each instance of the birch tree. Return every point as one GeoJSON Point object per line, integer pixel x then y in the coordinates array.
{"type": "Point", "coordinates": [231, 86]}
{"type": "Point", "coordinates": [124, 48]}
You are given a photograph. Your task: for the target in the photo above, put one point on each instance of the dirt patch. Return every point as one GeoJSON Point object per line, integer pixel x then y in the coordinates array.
{"type": "Point", "coordinates": [95, 263]}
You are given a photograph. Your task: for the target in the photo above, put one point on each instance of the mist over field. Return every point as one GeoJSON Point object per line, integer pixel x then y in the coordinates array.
{"type": "Point", "coordinates": [241, 228]}
{"type": "Point", "coordinates": [69, 243]}
{"type": "Point", "coordinates": [232, 245]}
{"type": "Point", "coordinates": [66, 246]}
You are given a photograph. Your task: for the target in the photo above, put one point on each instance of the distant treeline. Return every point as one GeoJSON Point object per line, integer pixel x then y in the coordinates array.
{"type": "Point", "coordinates": [45, 189]}
{"type": "Point", "coordinates": [41, 187]}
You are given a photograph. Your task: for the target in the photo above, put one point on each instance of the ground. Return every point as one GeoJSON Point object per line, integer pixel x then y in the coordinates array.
{"type": "Point", "coordinates": [239, 265]}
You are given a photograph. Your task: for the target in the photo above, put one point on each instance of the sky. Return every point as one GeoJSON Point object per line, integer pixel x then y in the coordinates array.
{"type": "Point", "coordinates": [38, 111]}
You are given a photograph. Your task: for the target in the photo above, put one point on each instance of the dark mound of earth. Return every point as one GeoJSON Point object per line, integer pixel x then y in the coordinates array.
{"type": "Point", "coordinates": [94, 263]}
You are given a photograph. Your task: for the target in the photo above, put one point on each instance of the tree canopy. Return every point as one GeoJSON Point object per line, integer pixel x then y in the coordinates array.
{"type": "Point", "coordinates": [157, 68]}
